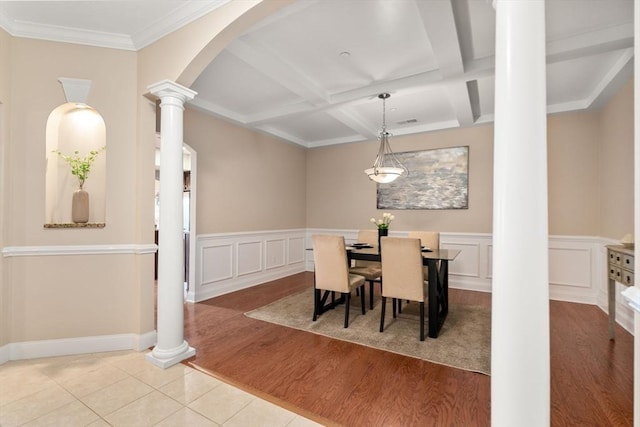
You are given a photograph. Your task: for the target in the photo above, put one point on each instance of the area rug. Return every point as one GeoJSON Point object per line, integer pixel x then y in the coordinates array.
{"type": "Point", "coordinates": [464, 341]}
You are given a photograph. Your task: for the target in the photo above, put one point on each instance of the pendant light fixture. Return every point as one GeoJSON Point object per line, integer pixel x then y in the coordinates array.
{"type": "Point", "coordinates": [387, 166]}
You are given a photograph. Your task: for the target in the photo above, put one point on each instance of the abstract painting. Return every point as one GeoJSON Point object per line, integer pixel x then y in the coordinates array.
{"type": "Point", "coordinates": [436, 179]}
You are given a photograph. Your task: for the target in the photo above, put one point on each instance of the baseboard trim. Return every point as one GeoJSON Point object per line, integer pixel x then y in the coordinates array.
{"type": "Point", "coordinates": [81, 345]}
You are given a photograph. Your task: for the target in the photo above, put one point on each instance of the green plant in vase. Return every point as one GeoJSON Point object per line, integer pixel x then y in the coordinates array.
{"type": "Point", "coordinates": [80, 168]}
{"type": "Point", "coordinates": [383, 225]}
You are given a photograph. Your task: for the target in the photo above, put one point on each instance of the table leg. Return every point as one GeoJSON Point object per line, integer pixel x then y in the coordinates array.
{"type": "Point", "coordinates": [611, 293]}
{"type": "Point", "coordinates": [438, 295]}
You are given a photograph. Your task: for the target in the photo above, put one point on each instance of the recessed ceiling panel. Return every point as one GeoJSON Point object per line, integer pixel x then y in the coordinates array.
{"type": "Point", "coordinates": [384, 40]}
{"type": "Point", "coordinates": [576, 80]}
{"type": "Point", "coordinates": [232, 84]}
{"type": "Point", "coordinates": [566, 18]}
{"type": "Point", "coordinates": [409, 109]}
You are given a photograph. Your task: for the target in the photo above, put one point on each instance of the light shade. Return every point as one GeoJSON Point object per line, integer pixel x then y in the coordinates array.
{"type": "Point", "coordinates": [384, 175]}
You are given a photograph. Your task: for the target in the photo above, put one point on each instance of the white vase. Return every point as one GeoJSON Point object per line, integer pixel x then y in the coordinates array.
{"type": "Point", "coordinates": [80, 206]}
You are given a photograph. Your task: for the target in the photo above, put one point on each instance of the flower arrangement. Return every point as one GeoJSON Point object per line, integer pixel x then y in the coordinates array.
{"type": "Point", "coordinates": [383, 224]}
{"type": "Point", "coordinates": [80, 166]}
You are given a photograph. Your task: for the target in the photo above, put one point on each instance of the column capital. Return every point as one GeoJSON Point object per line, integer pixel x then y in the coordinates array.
{"type": "Point", "coordinates": [169, 88]}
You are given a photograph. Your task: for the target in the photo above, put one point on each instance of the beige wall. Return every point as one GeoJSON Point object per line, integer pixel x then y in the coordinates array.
{"type": "Point", "coordinates": [590, 169]}
{"type": "Point", "coordinates": [246, 181]}
{"type": "Point", "coordinates": [57, 297]}
{"type": "Point", "coordinates": [340, 195]}
{"type": "Point", "coordinates": [73, 296]}
{"type": "Point", "coordinates": [616, 165]}
{"type": "Point", "coordinates": [5, 99]}
{"type": "Point", "coordinates": [36, 67]}
{"type": "Point", "coordinates": [572, 149]}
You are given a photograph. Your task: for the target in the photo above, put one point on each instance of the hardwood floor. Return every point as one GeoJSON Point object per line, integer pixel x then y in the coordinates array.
{"type": "Point", "coordinates": [340, 383]}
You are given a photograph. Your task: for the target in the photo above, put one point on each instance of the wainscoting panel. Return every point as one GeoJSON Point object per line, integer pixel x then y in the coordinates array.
{"type": "Point", "coordinates": [249, 257]}
{"type": "Point", "coordinates": [297, 250]}
{"type": "Point", "coordinates": [567, 267]}
{"type": "Point", "coordinates": [228, 262]}
{"type": "Point", "coordinates": [220, 270]}
{"type": "Point", "coordinates": [276, 253]}
{"type": "Point", "coordinates": [577, 264]}
{"type": "Point", "coordinates": [468, 262]}
{"type": "Point", "coordinates": [573, 269]}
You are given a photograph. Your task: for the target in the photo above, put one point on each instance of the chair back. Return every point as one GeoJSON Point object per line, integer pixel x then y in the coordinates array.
{"type": "Point", "coordinates": [370, 237]}
{"type": "Point", "coordinates": [330, 259]}
{"type": "Point", "coordinates": [430, 239]}
{"type": "Point", "coordinates": [402, 268]}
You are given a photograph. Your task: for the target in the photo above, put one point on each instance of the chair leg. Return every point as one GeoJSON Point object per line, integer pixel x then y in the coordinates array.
{"type": "Point", "coordinates": [362, 298]}
{"type": "Point", "coordinates": [316, 303]}
{"type": "Point", "coordinates": [346, 310]}
{"type": "Point", "coordinates": [384, 305]}
{"type": "Point", "coordinates": [399, 305]}
{"type": "Point", "coordinates": [422, 321]}
{"type": "Point", "coordinates": [393, 304]}
{"type": "Point", "coordinates": [370, 294]}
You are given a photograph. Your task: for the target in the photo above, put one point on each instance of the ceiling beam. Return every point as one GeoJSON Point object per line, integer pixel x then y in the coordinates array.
{"type": "Point", "coordinates": [439, 23]}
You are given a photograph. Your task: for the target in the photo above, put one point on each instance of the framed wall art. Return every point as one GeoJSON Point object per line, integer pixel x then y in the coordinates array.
{"type": "Point", "coordinates": [437, 179]}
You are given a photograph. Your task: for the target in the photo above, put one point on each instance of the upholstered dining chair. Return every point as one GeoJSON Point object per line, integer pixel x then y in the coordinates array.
{"type": "Point", "coordinates": [429, 239]}
{"type": "Point", "coordinates": [370, 270]}
{"type": "Point", "coordinates": [403, 277]}
{"type": "Point", "coordinates": [332, 273]}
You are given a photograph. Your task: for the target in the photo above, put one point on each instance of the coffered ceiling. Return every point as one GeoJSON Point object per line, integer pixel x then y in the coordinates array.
{"type": "Point", "coordinates": [311, 73]}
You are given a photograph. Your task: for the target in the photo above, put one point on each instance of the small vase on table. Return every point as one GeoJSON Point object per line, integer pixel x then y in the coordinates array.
{"type": "Point", "coordinates": [382, 232]}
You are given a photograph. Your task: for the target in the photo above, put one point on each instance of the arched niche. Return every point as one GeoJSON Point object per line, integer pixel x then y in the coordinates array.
{"type": "Point", "coordinates": [74, 127]}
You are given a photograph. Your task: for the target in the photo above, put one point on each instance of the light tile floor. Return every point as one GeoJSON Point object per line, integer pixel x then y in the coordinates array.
{"type": "Point", "coordinates": [123, 389]}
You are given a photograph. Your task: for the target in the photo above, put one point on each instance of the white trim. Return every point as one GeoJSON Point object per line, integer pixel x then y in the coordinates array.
{"type": "Point", "coordinates": [62, 250]}
{"type": "Point", "coordinates": [178, 18]}
{"type": "Point", "coordinates": [218, 273]}
{"type": "Point", "coordinates": [80, 345]}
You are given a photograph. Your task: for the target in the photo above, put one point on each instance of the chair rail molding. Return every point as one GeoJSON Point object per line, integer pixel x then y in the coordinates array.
{"type": "Point", "coordinates": [62, 250]}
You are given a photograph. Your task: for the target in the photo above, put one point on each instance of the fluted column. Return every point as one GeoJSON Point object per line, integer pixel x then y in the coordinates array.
{"type": "Point", "coordinates": [520, 360]}
{"type": "Point", "coordinates": [171, 347]}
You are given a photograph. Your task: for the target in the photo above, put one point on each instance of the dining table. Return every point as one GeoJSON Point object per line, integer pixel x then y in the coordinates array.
{"type": "Point", "coordinates": [437, 261]}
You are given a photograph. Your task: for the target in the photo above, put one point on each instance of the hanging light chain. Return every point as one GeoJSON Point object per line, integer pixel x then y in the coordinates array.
{"type": "Point", "coordinates": [387, 167]}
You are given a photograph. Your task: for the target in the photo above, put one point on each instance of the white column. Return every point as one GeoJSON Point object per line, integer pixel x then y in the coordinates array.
{"type": "Point", "coordinates": [520, 376]}
{"type": "Point", "coordinates": [171, 347]}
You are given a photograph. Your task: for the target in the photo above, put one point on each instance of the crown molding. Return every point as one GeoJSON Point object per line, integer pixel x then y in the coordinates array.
{"type": "Point", "coordinates": [180, 17]}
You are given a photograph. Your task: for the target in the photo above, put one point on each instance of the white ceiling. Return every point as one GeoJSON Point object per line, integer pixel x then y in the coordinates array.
{"type": "Point", "coordinates": [288, 76]}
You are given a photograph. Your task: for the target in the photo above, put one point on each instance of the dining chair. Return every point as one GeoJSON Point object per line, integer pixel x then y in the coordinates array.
{"type": "Point", "coordinates": [370, 270]}
{"type": "Point", "coordinates": [428, 239]}
{"type": "Point", "coordinates": [332, 273]}
{"type": "Point", "coordinates": [403, 277]}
